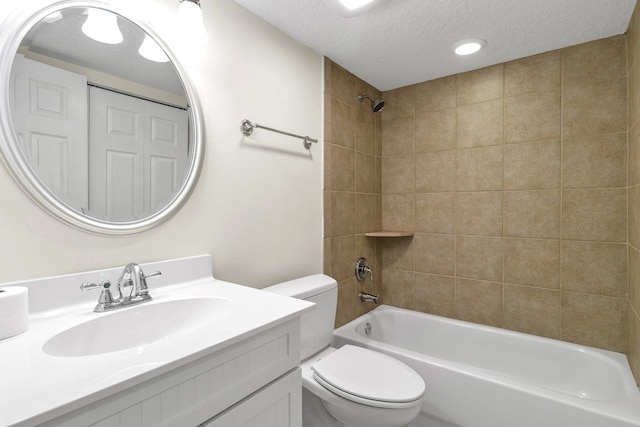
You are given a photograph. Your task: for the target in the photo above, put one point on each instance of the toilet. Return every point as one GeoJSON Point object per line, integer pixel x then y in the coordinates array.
{"type": "Point", "coordinates": [357, 386]}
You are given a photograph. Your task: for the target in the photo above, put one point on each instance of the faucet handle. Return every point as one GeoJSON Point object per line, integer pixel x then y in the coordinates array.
{"type": "Point", "coordinates": [106, 297]}
{"type": "Point", "coordinates": [144, 290]}
{"type": "Point", "coordinates": [362, 269]}
{"type": "Point", "coordinates": [154, 274]}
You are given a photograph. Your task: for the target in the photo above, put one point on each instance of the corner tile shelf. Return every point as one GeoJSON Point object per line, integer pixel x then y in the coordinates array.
{"type": "Point", "coordinates": [390, 234]}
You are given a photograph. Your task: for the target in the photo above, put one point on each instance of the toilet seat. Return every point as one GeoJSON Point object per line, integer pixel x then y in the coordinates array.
{"type": "Point", "coordinates": [368, 377]}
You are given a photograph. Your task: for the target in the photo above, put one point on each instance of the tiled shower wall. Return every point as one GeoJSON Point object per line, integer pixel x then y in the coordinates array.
{"type": "Point", "coordinates": [633, 38]}
{"type": "Point", "coordinates": [514, 179]}
{"type": "Point", "coordinates": [351, 187]}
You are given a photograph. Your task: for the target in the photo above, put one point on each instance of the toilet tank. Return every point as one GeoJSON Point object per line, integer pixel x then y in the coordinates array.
{"type": "Point", "coordinates": [316, 325]}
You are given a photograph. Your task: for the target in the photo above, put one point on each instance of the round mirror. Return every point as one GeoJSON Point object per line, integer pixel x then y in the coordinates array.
{"type": "Point", "coordinates": [101, 126]}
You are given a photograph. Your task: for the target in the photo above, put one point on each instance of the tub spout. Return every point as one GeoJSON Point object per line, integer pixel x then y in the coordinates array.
{"type": "Point", "coordinates": [365, 297]}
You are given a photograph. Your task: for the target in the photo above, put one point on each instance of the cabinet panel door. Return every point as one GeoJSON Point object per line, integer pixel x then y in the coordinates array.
{"type": "Point", "coordinates": [277, 405]}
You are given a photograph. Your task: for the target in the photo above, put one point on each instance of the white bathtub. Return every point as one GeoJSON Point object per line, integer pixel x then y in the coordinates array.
{"type": "Point", "coordinates": [479, 376]}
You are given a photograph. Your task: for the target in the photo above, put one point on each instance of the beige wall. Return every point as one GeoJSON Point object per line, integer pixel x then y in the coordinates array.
{"type": "Point", "coordinates": [514, 180]}
{"type": "Point", "coordinates": [633, 36]}
{"type": "Point", "coordinates": [257, 207]}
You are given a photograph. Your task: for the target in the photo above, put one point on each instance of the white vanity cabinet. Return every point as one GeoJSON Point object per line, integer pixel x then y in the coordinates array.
{"type": "Point", "coordinates": [231, 359]}
{"type": "Point", "coordinates": [254, 382]}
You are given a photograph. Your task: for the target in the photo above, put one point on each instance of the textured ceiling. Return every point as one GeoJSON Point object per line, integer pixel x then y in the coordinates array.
{"type": "Point", "coordinates": [64, 40]}
{"type": "Point", "coordinates": [402, 42]}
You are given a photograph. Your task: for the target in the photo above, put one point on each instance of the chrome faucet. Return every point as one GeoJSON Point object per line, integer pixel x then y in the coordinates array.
{"type": "Point", "coordinates": [365, 297]}
{"type": "Point", "coordinates": [132, 277]}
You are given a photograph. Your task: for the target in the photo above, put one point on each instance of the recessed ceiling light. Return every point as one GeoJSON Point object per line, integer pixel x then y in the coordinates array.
{"type": "Point", "coordinates": [469, 46]}
{"type": "Point", "coordinates": [349, 8]}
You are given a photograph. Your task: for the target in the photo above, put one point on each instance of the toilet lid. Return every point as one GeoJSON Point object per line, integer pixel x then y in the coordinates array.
{"type": "Point", "coordinates": [366, 374]}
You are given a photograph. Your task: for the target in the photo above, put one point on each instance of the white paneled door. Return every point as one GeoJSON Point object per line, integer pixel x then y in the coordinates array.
{"type": "Point", "coordinates": [137, 157]}
{"type": "Point", "coordinates": [50, 121]}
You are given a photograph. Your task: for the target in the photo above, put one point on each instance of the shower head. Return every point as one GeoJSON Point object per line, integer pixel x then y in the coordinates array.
{"type": "Point", "coordinates": [376, 104]}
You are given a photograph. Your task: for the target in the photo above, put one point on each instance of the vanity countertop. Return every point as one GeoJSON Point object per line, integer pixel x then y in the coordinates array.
{"type": "Point", "coordinates": [36, 386]}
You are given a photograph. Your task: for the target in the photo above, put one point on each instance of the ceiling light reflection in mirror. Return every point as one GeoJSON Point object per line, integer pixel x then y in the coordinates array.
{"type": "Point", "coordinates": [102, 26]}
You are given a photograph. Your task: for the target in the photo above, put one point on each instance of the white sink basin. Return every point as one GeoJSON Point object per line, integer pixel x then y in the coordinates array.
{"type": "Point", "coordinates": [136, 326]}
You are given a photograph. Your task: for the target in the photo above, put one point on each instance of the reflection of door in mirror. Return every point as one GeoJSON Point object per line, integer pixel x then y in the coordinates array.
{"type": "Point", "coordinates": [137, 155]}
{"type": "Point", "coordinates": [50, 121]}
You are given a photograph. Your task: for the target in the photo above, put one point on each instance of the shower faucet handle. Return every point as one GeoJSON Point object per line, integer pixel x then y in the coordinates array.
{"type": "Point", "coordinates": [362, 269]}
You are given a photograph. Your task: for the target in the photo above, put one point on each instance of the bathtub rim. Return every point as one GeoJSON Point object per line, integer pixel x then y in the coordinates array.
{"type": "Point", "coordinates": [348, 334]}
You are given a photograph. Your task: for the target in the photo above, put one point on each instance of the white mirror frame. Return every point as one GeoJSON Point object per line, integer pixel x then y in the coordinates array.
{"type": "Point", "coordinates": [14, 29]}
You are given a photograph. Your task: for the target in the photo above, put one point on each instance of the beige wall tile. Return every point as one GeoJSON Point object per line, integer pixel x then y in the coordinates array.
{"type": "Point", "coordinates": [480, 124]}
{"type": "Point", "coordinates": [435, 212]}
{"type": "Point", "coordinates": [399, 103]}
{"type": "Point", "coordinates": [532, 116]}
{"type": "Point", "coordinates": [594, 320]}
{"type": "Point", "coordinates": [436, 95]}
{"type": "Point", "coordinates": [366, 248]}
{"type": "Point", "coordinates": [435, 253]}
{"type": "Point", "coordinates": [399, 174]}
{"type": "Point", "coordinates": [633, 344]}
{"type": "Point", "coordinates": [365, 213]}
{"type": "Point", "coordinates": [343, 124]}
{"type": "Point", "coordinates": [634, 278]}
{"type": "Point", "coordinates": [596, 161]}
{"type": "Point", "coordinates": [633, 38]}
{"type": "Point", "coordinates": [604, 59]}
{"type": "Point", "coordinates": [532, 310]}
{"type": "Point", "coordinates": [479, 213]}
{"type": "Point", "coordinates": [378, 125]}
{"type": "Point", "coordinates": [480, 85]}
{"type": "Point", "coordinates": [347, 301]}
{"type": "Point", "coordinates": [532, 165]}
{"type": "Point", "coordinates": [398, 288]}
{"type": "Point", "coordinates": [634, 155]}
{"type": "Point", "coordinates": [399, 137]}
{"type": "Point", "coordinates": [593, 108]}
{"type": "Point", "coordinates": [326, 251]}
{"type": "Point", "coordinates": [595, 268]}
{"type": "Point", "coordinates": [634, 216]}
{"type": "Point", "coordinates": [480, 168]}
{"type": "Point", "coordinates": [365, 131]}
{"type": "Point", "coordinates": [533, 74]}
{"type": "Point", "coordinates": [436, 130]}
{"type": "Point", "coordinates": [532, 214]}
{"type": "Point", "coordinates": [342, 257]}
{"type": "Point", "coordinates": [479, 302]}
{"type": "Point", "coordinates": [532, 262]}
{"type": "Point", "coordinates": [634, 93]}
{"type": "Point", "coordinates": [594, 214]}
{"type": "Point", "coordinates": [343, 214]}
{"type": "Point", "coordinates": [327, 125]}
{"type": "Point", "coordinates": [343, 168]}
{"type": "Point", "coordinates": [399, 212]}
{"type": "Point", "coordinates": [378, 181]}
{"type": "Point", "coordinates": [397, 253]}
{"type": "Point", "coordinates": [365, 173]}
{"type": "Point", "coordinates": [327, 209]}
{"type": "Point", "coordinates": [436, 171]}
{"type": "Point", "coordinates": [434, 294]}
{"type": "Point", "coordinates": [340, 83]}
{"type": "Point", "coordinates": [479, 258]}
